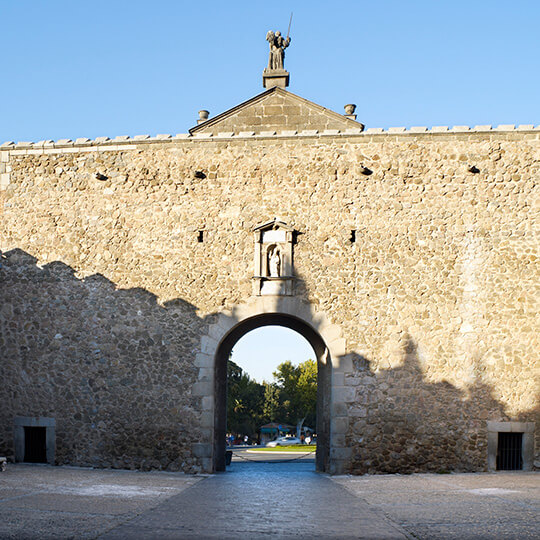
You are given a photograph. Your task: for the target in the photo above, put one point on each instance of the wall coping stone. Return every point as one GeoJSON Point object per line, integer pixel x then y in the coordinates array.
{"type": "Point", "coordinates": [145, 139]}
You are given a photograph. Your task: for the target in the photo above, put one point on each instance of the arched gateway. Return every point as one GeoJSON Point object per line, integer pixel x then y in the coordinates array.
{"type": "Point", "coordinates": [324, 337]}
{"type": "Point", "coordinates": [118, 255]}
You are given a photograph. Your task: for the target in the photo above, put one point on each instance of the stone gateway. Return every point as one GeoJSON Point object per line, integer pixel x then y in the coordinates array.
{"type": "Point", "coordinates": [407, 258]}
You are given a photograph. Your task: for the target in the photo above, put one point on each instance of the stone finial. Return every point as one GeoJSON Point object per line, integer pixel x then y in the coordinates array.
{"type": "Point", "coordinates": [203, 116]}
{"type": "Point", "coordinates": [349, 111]}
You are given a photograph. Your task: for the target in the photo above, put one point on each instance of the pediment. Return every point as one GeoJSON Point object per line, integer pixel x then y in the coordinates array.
{"type": "Point", "coordinates": [274, 111]}
{"type": "Point", "coordinates": [272, 225]}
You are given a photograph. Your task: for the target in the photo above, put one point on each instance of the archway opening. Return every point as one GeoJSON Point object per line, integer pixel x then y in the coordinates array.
{"type": "Point", "coordinates": [290, 419]}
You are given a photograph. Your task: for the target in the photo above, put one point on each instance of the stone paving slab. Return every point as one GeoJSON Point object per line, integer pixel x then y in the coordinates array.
{"type": "Point", "coordinates": [265, 500]}
{"type": "Point", "coordinates": [262, 500]}
{"type": "Point", "coordinates": [67, 502]}
{"type": "Point", "coordinates": [455, 506]}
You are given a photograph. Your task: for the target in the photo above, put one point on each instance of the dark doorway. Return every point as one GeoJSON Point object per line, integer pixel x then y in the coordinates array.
{"type": "Point", "coordinates": [35, 445]}
{"type": "Point", "coordinates": [509, 454]}
{"type": "Point", "coordinates": [323, 382]}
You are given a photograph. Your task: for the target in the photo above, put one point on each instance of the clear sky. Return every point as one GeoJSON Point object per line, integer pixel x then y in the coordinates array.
{"type": "Point", "coordinates": [260, 351]}
{"type": "Point", "coordinates": [126, 67]}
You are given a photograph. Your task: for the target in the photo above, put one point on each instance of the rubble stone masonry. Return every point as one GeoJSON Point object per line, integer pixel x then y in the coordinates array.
{"type": "Point", "coordinates": [106, 287]}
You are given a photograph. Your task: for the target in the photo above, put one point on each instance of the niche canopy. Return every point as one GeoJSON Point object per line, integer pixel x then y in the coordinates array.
{"type": "Point", "coordinates": [273, 259]}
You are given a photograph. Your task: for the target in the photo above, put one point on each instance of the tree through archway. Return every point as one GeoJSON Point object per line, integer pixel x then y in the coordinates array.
{"type": "Point", "coordinates": [323, 378]}
{"type": "Point", "coordinates": [271, 386]}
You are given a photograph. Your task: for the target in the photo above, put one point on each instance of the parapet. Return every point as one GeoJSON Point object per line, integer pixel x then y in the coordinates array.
{"type": "Point", "coordinates": [125, 142]}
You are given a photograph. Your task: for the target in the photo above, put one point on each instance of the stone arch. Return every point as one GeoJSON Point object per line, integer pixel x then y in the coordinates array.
{"type": "Point", "coordinates": [329, 346]}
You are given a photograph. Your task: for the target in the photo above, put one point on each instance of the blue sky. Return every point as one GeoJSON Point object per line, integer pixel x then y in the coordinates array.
{"type": "Point", "coordinates": [87, 69]}
{"type": "Point", "coordinates": [260, 351]}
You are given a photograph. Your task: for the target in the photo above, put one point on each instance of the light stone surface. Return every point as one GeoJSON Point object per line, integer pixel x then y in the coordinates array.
{"type": "Point", "coordinates": [105, 292]}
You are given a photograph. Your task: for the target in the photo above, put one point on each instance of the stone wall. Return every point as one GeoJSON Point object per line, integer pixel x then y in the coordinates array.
{"type": "Point", "coordinates": [106, 289]}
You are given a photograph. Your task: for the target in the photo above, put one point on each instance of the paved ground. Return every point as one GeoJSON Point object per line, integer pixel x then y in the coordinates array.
{"type": "Point", "coordinates": [265, 500]}
{"type": "Point", "coordinates": [66, 502]}
{"type": "Point", "coordinates": [455, 506]}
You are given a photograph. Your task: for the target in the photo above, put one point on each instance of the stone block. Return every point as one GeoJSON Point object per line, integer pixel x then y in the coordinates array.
{"type": "Point", "coordinates": [207, 465]}
{"type": "Point", "coordinates": [397, 130]}
{"type": "Point", "coordinates": [439, 129]}
{"type": "Point", "coordinates": [202, 450]}
{"type": "Point", "coordinates": [343, 394]}
{"type": "Point", "coordinates": [64, 142]}
{"type": "Point", "coordinates": [204, 360]}
{"type": "Point", "coordinates": [338, 379]}
{"type": "Point", "coordinates": [340, 409]}
{"type": "Point", "coordinates": [203, 388]}
{"type": "Point", "coordinates": [418, 129]}
{"type": "Point", "coordinates": [207, 418]}
{"type": "Point", "coordinates": [329, 333]}
{"type": "Point", "coordinates": [339, 453]}
{"type": "Point", "coordinates": [482, 128]}
{"type": "Point", "coordinates": [342, 364]}
{"type": "Point", "coordinates": [208, 345]}
{"type": "Point", "coordinates": [141, 137]}
{"type": "Point", "coordinates": [270, 110]}
{"type": "Point", "coordinates": [511, 427]}
{"type": "Point", "coordinates": [525, 127]}
{"type": "Point", "coordinates": [208, 403]}
{"type": "Point", "coordinates": [460, 128]}
{"type": "Point", "coordinates": [505, 127]}
{"type": "Point", "coordinates": [340, 425]}
{"type": "Point", "coordinates": [337, 347]}
{"type": "Point", "coordinates": [206, 374]}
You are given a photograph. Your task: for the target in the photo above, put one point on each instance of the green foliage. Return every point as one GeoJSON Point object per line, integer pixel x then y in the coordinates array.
{"type": "Point", "coordinates": [290, 399]}
{"type": "Point", "coordinates": [245, 402]}
{"type": "Point", "coordinates": [297, 388]}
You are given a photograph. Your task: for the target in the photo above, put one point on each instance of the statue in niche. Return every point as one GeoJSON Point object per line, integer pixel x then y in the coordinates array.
{"type": "Point", "coordinates": [278, 45]}
{"type": "Point", "coordinates": [274, 262]}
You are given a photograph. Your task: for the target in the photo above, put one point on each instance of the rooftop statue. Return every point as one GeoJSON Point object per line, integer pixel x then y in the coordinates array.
{"type": "Point", "coordinates": [278, 44]}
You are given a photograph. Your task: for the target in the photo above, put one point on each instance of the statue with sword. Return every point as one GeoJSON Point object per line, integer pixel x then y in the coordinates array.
{"type": "Point", "coordinates": [278, 44]}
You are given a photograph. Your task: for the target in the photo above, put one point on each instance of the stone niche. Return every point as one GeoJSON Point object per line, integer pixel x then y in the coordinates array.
{"type": "Point", "coordinates": [273, 259]}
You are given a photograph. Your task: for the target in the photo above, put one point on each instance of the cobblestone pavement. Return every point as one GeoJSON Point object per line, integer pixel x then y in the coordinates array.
{"type": "Point", "coordinates": [265, 500]}
{"type": "Point", "coordinates": [477, 506]}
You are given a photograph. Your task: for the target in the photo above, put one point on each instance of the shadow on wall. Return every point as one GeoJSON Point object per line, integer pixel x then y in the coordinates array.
{"type": "Point", "coordinates": [107, 363]}
{"type": "Point", "coordinates": [116, 370]}
{"type": "Point", "coordinates": [402, 423]}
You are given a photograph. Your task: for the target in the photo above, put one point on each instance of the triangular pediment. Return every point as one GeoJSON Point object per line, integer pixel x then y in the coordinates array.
{"type": "Point", "coordinates": [275, 110]}
{"type": "Point", "coordinates": [273, 225]}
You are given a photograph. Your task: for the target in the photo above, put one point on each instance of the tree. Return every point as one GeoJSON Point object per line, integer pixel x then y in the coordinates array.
{"type": "Point", "coordinates": [245, 402]}
{"type": "Point", "coordinates": [297, 389]}
{"type": "Point", "coordinates": [291, 398]}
